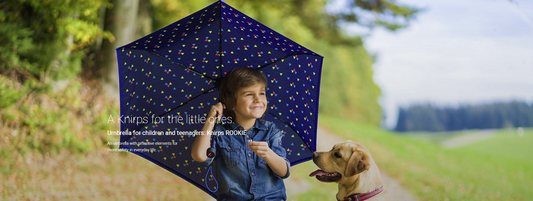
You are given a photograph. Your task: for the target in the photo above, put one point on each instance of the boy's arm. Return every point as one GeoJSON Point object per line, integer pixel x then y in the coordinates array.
{"type": "Point", "coordinates": [274, 161]}
{"type": "Point", "coordinates": [202, 142]}
{"type": "Point", "coordinates": [277, 163]}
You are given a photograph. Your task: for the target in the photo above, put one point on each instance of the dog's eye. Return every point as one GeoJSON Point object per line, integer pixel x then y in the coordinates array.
{"type": "Point", "coordinates": [337, 155]}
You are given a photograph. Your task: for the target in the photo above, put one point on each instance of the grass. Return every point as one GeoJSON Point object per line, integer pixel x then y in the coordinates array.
{"type": "Point", "coordinates": [510, 146]}
{"type": "Point", "coordinates": [493, 169]}
{"type": "Point", "coordinates": [70, 119]}
{"type": "Point", "coordinates": [53, 147]}
{"type": "Point", "coordinates": [438, 137]}
{"type": "Point", "coordinates": [508, 161]}
{"type": "Point", "coordinates": [97, 175]}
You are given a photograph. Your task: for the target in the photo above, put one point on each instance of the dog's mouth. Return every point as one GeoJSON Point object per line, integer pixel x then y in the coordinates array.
{"type": "Point", "coordinates": [326, 176]}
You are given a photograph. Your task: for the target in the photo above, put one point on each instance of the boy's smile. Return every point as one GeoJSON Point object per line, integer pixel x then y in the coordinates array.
{"type": "Point", "coordinates": [251, 103]}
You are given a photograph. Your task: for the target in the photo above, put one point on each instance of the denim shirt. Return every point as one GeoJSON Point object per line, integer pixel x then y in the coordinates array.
{"type": "Point", "coordinates": [241, 174]}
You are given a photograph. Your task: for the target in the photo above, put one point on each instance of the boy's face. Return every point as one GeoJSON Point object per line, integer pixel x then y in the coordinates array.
{"type": "Point", "coordinates": [251, 102]}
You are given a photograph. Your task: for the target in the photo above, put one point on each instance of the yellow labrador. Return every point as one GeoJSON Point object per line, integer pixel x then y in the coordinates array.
{"type": "Point", "coordinates": [351, 166]}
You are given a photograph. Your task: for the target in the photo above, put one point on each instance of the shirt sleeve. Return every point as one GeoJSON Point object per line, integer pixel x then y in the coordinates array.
{"type": "Point", "coordinates": [277, 147]}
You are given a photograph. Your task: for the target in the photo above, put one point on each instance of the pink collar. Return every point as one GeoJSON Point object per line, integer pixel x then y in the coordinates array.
{"type": "Point", "coordinates": [364, 196]}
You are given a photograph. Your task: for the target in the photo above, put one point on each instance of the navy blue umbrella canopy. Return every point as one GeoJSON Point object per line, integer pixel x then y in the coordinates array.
{"type": "Point", "coordinates": [169, 79]}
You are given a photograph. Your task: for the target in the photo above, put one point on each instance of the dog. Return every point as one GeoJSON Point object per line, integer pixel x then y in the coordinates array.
{"type": "Point", "coordinates": [351, 166]}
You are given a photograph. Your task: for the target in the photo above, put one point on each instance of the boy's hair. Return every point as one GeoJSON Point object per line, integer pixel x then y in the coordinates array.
{"type": "Point", "coordinates": [233, 81]}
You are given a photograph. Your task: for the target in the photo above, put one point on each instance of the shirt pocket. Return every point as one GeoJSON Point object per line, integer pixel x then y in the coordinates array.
{"type": "Point", "coordinates": [230, 153]}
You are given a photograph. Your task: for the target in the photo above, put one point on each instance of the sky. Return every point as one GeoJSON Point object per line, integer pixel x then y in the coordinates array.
{"type": "Point", "coordinates": [455, 52]}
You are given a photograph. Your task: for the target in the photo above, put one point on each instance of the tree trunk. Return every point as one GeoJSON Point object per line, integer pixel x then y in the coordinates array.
{"type": "Point", "coordinates": [121, 21]}
{"type": "Point", "coordinates": [144, 18]}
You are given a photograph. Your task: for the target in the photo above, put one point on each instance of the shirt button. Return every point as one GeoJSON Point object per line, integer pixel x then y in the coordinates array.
{"type": "Point", "coordinates": [250, 155]}
{"type": "Point", "coordinates": [253, 173]}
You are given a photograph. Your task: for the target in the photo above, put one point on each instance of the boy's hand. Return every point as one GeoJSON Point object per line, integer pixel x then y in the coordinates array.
{"type": "Point", "coordinates": [215, 114]}
{"type": "Point", "coordinates": [274, 161]}
{"type": "Point", "coordinates": [260, 148]}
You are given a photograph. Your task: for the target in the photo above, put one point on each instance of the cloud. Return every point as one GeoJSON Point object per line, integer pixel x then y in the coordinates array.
{"type": "Point", "coordinates": [455, 54]}
{"type": "Point", "coordinates": [517, 10]}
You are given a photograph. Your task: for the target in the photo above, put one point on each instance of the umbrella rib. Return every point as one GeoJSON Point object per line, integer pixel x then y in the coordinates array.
{"type": "Point", "coordinates": [284, 58]}
{"type": "Point", "coordinates": [181, 65]}
{"type": "Point", "coordinates": [275, 116]}
{"type": "Point", "coordinates": [280, 119]}
{"type": "Point", "coordinates": [220, 39]}
{"type": "Point", "coordinates": [185, 103]}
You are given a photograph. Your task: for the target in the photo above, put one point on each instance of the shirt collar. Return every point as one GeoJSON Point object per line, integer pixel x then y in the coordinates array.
{"type": "Point", "coordinates": [259, 124]}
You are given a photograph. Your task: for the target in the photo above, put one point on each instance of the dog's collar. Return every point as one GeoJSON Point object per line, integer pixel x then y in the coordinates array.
{"type": "Point", "coordinates": [363, 196]}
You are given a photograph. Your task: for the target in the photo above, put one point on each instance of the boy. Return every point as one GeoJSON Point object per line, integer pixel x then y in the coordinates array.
{"type": "Point", "coordinates": [251, 166]}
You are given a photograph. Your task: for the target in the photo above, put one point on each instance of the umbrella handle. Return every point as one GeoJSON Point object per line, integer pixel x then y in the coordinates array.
{"type": "Point", "coordinates": [211, 151]}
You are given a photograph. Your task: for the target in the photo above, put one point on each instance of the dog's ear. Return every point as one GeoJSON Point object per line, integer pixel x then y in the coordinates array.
{"type": "Point", "coordinates": [359, 162]}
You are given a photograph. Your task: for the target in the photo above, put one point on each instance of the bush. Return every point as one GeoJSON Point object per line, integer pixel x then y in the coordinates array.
{"type": "Point", "coordinates": [73, 119]}
{"type": "Point", "coordinates": [46, 40]}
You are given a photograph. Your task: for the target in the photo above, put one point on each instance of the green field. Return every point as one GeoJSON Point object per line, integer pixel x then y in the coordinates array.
{"type": "Point", "coordinates": [499, 168]}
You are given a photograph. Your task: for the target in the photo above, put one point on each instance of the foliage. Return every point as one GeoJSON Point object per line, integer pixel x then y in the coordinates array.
{"type": "Point", "coordinates": [485, 116]}
{"type": "Point", "coordinates": [375, 13]}
{"type": "Point", "coordinates": [71, 119]}
{"type": "Point", "coordinates": [347, 88]}
{"type": "Point", "coordinates": [42, 42]}
{"type": "Point", "coordinates": [494, 169]}
{"type": "Point", "coordinates": [99, 175]}
{"type": "Point", "coordinates": [45, 41]}
{"type": "Point", "coordinates": [311, 15]}
{"type": "Point", "coordinates": [38, 37]}
{"type": "Point", "coordinates": [10, 92]}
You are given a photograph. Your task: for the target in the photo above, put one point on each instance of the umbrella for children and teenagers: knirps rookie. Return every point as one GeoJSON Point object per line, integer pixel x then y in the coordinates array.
{"type": "Point", "coordinates": [169, 79]}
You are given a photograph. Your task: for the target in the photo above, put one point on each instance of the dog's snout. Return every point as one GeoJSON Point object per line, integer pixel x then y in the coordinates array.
{"type": "Point", "coordinates": [315, 155]}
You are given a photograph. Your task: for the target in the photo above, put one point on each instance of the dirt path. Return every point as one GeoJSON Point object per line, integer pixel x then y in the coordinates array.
{"type": "Point", "coordinates": [468, 139]}
{"type": "Point", "coordinates": [326, 140]}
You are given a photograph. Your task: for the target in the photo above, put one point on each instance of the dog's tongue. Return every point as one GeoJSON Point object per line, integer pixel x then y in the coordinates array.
{"type": "Point", "coordinates": [317, 172]}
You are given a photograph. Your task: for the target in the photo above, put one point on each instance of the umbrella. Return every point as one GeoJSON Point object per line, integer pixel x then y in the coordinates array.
{"type": "Point", "coordinates": [169, 79]}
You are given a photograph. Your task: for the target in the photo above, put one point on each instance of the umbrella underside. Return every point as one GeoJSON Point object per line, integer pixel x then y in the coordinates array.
{"type": "Point", "coordinates": [169, 78]}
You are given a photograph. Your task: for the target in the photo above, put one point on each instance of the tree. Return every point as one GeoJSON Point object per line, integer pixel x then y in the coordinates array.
{"type": "Point", "coordinates": [482, 116]}
{"type": "Point", "coordinates": [120, 19]}
{"type": "Point", "coordinates": [48, 40]}
{"type": "Point", "coordinates": [347, 87]}
{"type": "Point", "coordinates": [44, 41]}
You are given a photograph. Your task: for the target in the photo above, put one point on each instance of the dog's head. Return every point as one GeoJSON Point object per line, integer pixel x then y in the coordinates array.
{"type": "Point", "coordinates": [345, 160]}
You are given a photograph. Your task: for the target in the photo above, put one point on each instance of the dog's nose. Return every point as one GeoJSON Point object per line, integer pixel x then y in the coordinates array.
{"type": "Point", "coordinates": [315, 155]}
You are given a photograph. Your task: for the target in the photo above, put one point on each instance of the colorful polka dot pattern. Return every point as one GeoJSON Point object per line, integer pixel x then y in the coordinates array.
{"type": "Point", "coordinates": [171, 76]}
